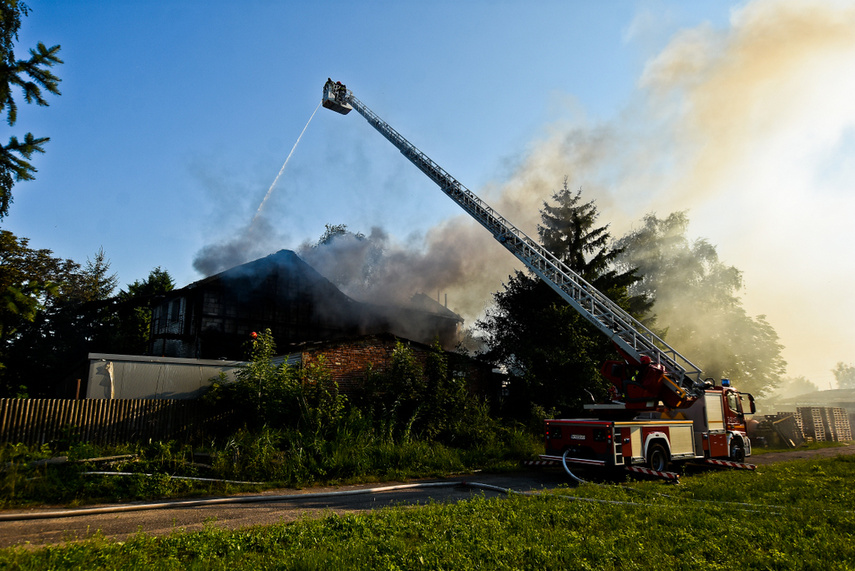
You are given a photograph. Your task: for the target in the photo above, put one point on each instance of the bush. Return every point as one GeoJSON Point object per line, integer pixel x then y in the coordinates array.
{"type": "Point", "coordinates": [409, 401]}
{"type": "Point", "coordinates": [280, 396]}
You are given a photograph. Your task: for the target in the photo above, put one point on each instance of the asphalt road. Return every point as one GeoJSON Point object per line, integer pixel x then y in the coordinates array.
{"type": "Point", "coordinates": [283, 505]}
{"type": "Point", "coordinates": [288, 505]}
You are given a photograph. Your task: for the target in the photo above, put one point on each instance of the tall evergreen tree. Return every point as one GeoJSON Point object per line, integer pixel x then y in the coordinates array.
{"type": "Point", "coordinates": [552, 352]}
{"type": "Point", "coordinates": [31, 76]}
{"type": "Point", "coordinates": [96, 280]}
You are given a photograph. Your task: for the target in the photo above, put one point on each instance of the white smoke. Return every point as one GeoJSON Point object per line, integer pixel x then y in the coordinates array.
{"type": "Point", "coordinates": [751, 129]}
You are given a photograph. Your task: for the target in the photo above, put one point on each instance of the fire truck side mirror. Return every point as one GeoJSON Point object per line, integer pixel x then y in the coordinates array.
{"type": "Point", "coordinates": [752, 406]}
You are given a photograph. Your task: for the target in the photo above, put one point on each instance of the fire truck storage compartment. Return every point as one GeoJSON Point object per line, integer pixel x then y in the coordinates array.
{"type": "Point", "coordinates": [679, 435]}
{"type": "Point", "coordinates": [613, 443]}
{"type": "Point", "coordinates": [715, 415]}
{"type": "Point", "coordinates": [582, 438]}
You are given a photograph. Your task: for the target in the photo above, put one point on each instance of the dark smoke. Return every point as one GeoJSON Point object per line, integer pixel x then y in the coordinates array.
{"type": "Point", "coordinates": [255, 241]}
{"type": "Point", "coordinates": [374, 268]}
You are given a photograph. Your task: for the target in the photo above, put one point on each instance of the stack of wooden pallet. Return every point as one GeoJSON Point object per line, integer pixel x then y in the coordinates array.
{"type": "Point", "coordinates": [825, 423]}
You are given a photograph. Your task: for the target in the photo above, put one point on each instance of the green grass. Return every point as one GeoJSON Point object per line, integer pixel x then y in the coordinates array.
{"type": "Point", "coordinates": [798, 515]}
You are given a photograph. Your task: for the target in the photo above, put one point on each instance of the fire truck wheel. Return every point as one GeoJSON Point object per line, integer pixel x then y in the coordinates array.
{"type": "Point", "coordinates": [737, 452]}
{"type": "Point", "coordinates": [657, 457]}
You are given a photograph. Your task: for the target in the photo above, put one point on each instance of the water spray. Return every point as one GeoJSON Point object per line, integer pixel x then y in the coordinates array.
{"type": "Point", "coordinates": [288, 158]}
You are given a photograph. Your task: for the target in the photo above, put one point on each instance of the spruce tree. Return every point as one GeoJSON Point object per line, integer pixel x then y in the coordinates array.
{"type": "Point", "coordinates": [552, 353]}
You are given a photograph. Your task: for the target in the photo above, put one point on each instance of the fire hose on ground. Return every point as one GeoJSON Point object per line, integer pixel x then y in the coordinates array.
{"type": "Point", "coordinates": [172, 504]}
{"type": "Point", "coordinates": [175, 504]}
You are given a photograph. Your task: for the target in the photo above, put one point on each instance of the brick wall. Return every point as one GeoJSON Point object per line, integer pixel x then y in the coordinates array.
{"type": "Point", "coordinates": [349, 361]}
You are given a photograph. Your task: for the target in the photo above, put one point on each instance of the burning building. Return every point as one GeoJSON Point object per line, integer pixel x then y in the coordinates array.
{"type": "Point", "coordinates": [213, 318]}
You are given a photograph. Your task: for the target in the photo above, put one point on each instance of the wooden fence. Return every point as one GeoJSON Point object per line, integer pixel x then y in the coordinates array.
{"type": "Point", "coordinates": [105, 422]}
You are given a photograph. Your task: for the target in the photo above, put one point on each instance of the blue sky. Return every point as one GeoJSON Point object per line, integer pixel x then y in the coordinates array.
{"type": "Point", "coordinates": [175, 117]}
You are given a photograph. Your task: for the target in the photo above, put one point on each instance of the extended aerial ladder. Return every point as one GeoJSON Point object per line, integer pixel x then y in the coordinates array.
{"type": "Point", "coordinates": [674, 379]}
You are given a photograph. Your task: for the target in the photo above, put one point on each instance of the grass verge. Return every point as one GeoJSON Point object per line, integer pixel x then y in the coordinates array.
{"type": "Point", "coordinates": [798, 515]}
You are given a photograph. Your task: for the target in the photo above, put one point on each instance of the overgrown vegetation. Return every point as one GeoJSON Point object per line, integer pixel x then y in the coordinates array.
{"type": "Point", "coordinates": [296, 429]}
{"type": "Point", "coordinates": [798, 515]}
{"type": "Point", "coordinates": [410, 420]}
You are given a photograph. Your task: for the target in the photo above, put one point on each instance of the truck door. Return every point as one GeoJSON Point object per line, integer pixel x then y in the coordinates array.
{"type": "Point", "coordinates": [716, 422]}
{"type": "Point", "coordinates": [734, 416]}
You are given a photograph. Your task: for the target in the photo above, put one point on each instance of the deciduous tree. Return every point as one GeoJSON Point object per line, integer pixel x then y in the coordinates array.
{"type": "Point", "coordinates": [845, 375]}
{"type": "Point", "coordinates": [28, 280]}
{"type": "Point", "coordinates": [31, 283]}
{"type": "Point", "coordinates": [698, 304]}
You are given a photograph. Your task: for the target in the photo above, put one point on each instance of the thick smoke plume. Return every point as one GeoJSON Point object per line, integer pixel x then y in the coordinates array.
{"type": "Point", "coordinates": [457, 258]}
{"type": "Point", "coordinates": [748, 129]}
{"type": "Point", "coordinates": [757, 122]}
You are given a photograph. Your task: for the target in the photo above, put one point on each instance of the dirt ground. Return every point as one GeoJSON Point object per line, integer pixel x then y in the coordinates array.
{"type": "Point", "coordinates": [772, 457]}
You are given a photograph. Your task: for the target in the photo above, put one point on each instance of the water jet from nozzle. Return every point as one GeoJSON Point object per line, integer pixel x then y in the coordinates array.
{"type": "Point", "coordinates": [285, 164]}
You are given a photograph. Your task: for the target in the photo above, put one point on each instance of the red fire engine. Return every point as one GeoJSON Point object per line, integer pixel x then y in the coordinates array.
{"type": "Point", "coordinates": [661, 410]}
{"type": "Point", "coordinates": [710, 428]}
